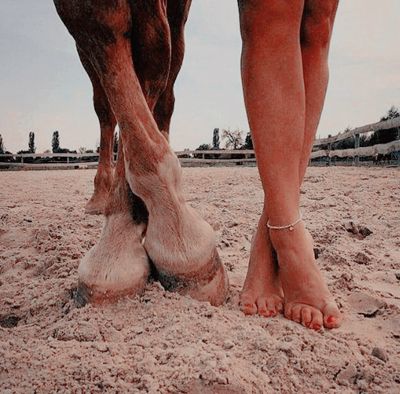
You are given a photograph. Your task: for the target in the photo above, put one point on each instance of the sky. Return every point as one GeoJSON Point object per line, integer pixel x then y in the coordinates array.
{"type": "Point", "coordinates": [43, 86]}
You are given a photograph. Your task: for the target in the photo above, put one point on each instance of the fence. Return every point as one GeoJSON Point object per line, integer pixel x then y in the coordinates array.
{"type": "Point", "coordinates": [227, 157]}
{"type": "Point", "coordinates": [391, 148]}
{"type": "Point", "coordinates": [82, 160]}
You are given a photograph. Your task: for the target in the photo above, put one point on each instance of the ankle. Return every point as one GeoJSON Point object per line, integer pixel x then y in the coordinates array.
{"type": "Point", "coordinates": [289, 226]}
{"type": "Point", "coordinates": [286, 238]}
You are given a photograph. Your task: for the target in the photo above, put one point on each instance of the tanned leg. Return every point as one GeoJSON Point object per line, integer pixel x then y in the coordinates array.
{"type": "Point", "coordinates": [275, 98]}
{"type": "Point", "coordinates": [315, 36]}
{"type": "Point", "coordinates": [180, 243]}
{"type": "Point", "coordinates": [104, 175]}
{"type": "Point", "coordinates": [262, 292]}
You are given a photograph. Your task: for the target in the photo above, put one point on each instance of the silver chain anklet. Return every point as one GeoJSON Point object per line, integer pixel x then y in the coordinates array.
{"type": "Point", "coordinates": [288, 226]}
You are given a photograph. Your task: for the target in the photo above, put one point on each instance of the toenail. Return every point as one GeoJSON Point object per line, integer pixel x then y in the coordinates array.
{"type": "Point", "coordinates": [316, 327]}
{"type": "Point", "coordinates": [331, 319]}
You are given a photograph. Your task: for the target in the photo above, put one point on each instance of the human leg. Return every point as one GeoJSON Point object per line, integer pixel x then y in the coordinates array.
{"type": "Point", "coordinates": [315, 36]}
{"type": "Point", "coordinates": [274, 94]}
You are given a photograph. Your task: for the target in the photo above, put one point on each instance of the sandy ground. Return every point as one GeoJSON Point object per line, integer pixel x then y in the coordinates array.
{"type": "Point", "coordinates": [163, 342]}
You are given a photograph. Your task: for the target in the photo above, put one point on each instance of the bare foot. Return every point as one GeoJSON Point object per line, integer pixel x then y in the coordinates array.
{"type": "Point", "coordinates": [262, 292]}
{"type": "Point", "coordinates": [307, 297]}
{"type": "Point", "coordinates": [117, 265]}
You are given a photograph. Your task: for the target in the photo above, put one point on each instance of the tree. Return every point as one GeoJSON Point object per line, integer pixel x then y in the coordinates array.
{"type": "Point", "coordinates": [343, 144]}
{"type": "Point", "coordinates": [1, 145]}
{"type": "Point", "coordinates": [391, 114]}
{"type": "Point", "coordinates": [248, 142]}
{"type": "Point", "coordinates": [82, 150]}
{"type": "Point", "coordinates": [55, 142]}
{"type": "Point", "coordinates": [233, 139]}
{"type": "Point", "coordinates": [31, 144]}
{"type": "Point", "coordinates": [385, 136]}
{"type": "Point", "coordinates": [204, 147]}
{"type": "Point", "coordinates": [216, 138]}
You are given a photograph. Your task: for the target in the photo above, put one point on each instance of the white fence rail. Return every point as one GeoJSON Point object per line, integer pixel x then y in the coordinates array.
{"type": "Point", "coordinates": [365, 151]}
{"type": "Point", "coordinates": [391, 148]}
{"type": "Point", "coordinates": [384, 125]}
{"type": "Point", "coordinates": [218, 157]}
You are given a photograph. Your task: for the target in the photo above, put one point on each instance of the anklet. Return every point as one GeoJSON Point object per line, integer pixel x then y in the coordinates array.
{"type": "Point", "coordinates": [288, 226]}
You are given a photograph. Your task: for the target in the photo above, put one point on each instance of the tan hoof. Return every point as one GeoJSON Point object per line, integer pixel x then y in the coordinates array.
{"type": "Point", "coordinates": [183, 251]}
{"type": "Point", "coordinates": [208, 284]}
{"type": "Point", "coordinates": [116, 266]}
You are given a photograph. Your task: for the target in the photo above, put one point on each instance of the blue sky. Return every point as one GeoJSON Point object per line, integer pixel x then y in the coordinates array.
{"type": "Point", "coordinates": [44, 88]}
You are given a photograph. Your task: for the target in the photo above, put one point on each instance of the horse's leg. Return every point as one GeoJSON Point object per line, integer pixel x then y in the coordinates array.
{"type": "Point", "coordinates": [177, 13]}
{"type": "Point", "coordinates": [150, 71]}
{"type": "Point", "coordinates": [149, 34]}
{"type": "Point", "coordinates": [104, 175]}
{"type": "Point", "coordinates": [117, 265]}
{"type": "Point", "coordinates": [181, 244]}
{"type": "Point", "coordinates": [151, 47]}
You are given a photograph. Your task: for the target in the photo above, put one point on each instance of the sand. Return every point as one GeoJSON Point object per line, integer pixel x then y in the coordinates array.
{"type": "Point", "coordinates": [165, 343]}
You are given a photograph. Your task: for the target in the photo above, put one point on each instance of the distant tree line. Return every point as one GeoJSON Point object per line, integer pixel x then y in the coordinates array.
{"type": "Point", "coordinates": [232, 140]}
{"type": "Point", "coordinates": [55, 144]}
{"type": "Point", "coordinates": [55, 148]}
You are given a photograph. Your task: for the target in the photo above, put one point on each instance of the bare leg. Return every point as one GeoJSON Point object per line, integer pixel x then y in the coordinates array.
{"type": "Point", "coordinates": [104, 175]}
{"type": "Point", "coordinates": [261, 262]}
{"type": "Point", "coordinates": [273, 82]}
{"type": "Point", "coordinates": [262, 291]}
{"type": "Point", "coordinates": [315, 36]}
{"type": "Point", "coordinates": [180, 243]}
